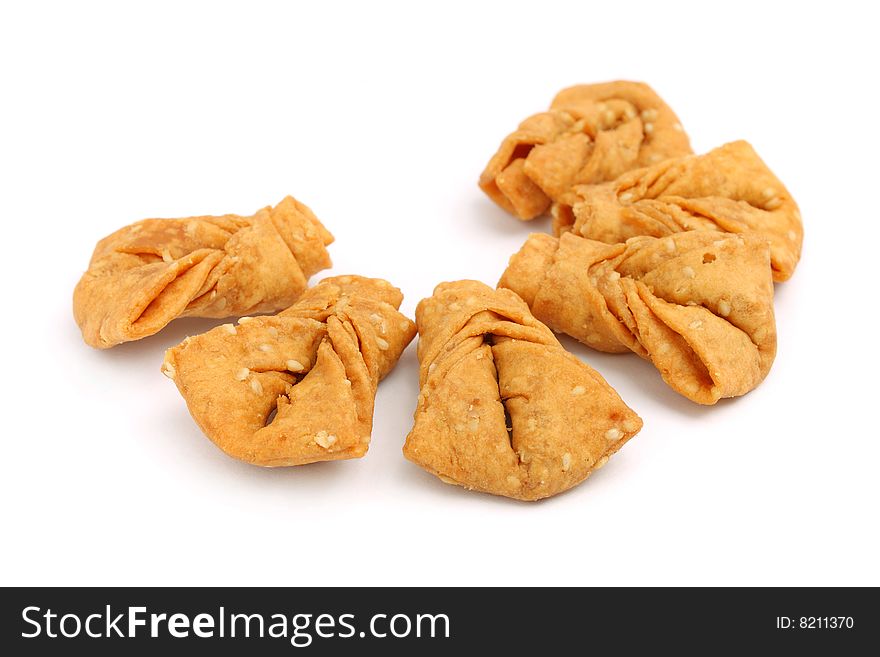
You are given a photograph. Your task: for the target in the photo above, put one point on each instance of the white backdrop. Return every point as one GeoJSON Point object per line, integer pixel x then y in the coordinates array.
{"type": "Point", "coordinates": [380, 117]}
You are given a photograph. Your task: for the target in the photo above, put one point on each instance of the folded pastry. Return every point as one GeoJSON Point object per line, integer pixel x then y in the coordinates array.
{"type": "Point", "coordinates": [592, 133]}
{"type": "Point", "coordinates": [296, 387]}
{"type": "Point", "coordinates": [728, 189]}
{"type": "Point", "coordinates": [698, 304]}
{"type": "Point", "coordinates": [503, 408]}
{"type": "Point", "coordinates": [145, 275]}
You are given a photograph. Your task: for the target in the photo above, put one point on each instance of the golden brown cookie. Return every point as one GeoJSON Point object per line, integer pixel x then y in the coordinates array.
{"type": "Point", "coordinates": [299, 386]}
{"type": "Point", "coordinates": [592, 133]}
{"type": "Point", "coordinates": [698, 304]}
{"type": "Point", "coordinates": [503, 408]}
{"type": "Point", "coordinates": [728, 189]}
{"type": "Point", "coordinates": [145, 275]}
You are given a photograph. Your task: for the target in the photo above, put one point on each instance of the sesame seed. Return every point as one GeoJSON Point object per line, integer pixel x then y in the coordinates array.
{"type": "Point", "coordinates": [480, 356]}
{"type": "Point", "coordinates": [382, 344]}
{"type": "Point", "coordinates": [566, 461]}
{"type": "Point", "coordinates": [221, 304]}
{"type": "Point", "coordinates": [245, 320]}
{"type": "Point", "coordinates": [792, 235]}
{"type": "Point", "coordinates": [242, 374]}
{"type": "Point", "coordinates": [773, 203]}
{"type": "Point", "coordinates": [376, 318]}
{"type": "Point", "coordinates": [578, 390]}
{"type": "Point", "coordinates": [613, 434]}
{"type": "Point", "coordinates": [678, 127]}
{"type": "Point", "coordinates": [136, 229]}
{"type": "Point", "coordinates": [190, 228]}
{"type": "Point", "coordinates": [524, 457]}
{"type": "Point", "coordinates": [724, 308]}
{"type": "Point", "coordinates": [169, 370]}
{"type": "Point", "coordinates": [166, 255]}
{"type": "Point", "coordinates": [649, 115]}
{"type": "Point", "coordinates": [593, 338]}
{"type": "Point", "coordinates": [347, 382]}
{"type": "Point", "coordinates": [513, 481]}
{"type": "Point", "coordinates": [273, 331]}
{"type": "Point", "coordinates": [613, 276]}
{"type": "Point", "coordinates": [256, 386]}
{"type": "Point", "coordinates": [230, 329]}
{"type": "Point", "coordinates": [447, 480]}
{"type": "Point", "coordinates": [688, 272]}
{"type": "Point", "coordinates": [654, 157]}
{"type": "Point", "coordinates": [769, 192]}
{"type": "Point", "coordinates": [695, 324]}
{"type": "Point", "coordinates": [325, 439]}
{"type": "Point", "coordinates": [404, 325]}
{"type": "Point", "coordinates": [294, 365]}
{"type": "Point", "coordinates": [663, 348]}
{"type": "Point", "coordinates": [626, 197]}
{"type": "Point", "coordinates": [630, 424]}
{"type": "Point", "coordinates": [602, 461]}
{"type": "Point", "coordinates": [609, 116]}
{"type": "Point", "coordinates": [649, 128]}
{"type": "Point", "coordinates": [669, 243]}
{"type": "Point", "coordinates": [474, 424]}
{"type": "Point", "coordinates": [266, 347]}
{"type": "Point", "coordinates": [630, 112]}
{"type": "Point", "coordinates": [432, 367]}
{"type": "Point", "coordinates": [454, 307]}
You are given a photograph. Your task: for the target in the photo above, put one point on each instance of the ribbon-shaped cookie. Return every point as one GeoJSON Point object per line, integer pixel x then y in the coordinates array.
{"type": "Point", "coordinates": [299, 386]}
{"type": "Point", "coordinates": [145, 275]}
{"type": "Point", "coordinates": [503, 408]}
{"type": "Point", "coordinates": [592, 133]}
{"type": "Point", "coordinates": [728, 189]}
{"type": "Point", "coordinates": [698, 304]}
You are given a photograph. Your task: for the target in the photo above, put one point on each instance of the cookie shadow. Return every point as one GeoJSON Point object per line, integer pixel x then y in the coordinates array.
{"type": "Point", "coordinates": [185, 443]}
{"type": "Point", "coordinates": [428, 485]}
{"type": "Point", "coordinates": [496, 222]}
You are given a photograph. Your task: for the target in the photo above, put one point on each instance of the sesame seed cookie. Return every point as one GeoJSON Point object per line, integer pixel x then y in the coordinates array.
{"type": "Point", "coordinates": [698, 305]}
{"type": "Point", "coordinates": [296, 387]}
{"type": "Point", "coordinates": [728, 189]}
{"type": "Point", "coordinates": [502, 407]}
{"type": "Point", "coordinates": [147, 274]}
{"type": "Point", "coordinates": [592, 133]}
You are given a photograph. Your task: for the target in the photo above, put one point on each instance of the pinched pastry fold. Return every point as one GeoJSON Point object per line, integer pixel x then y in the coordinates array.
{"type": "Point", "coordinates": [728, 189]}
{"type": "Point", "coordinates": [299, 386]}
{"type": "Point", "coordinates": [145, 275]}
{"type": "Point", "coordinates": [592, 133]}
{"type": "Point", "coordinates": [503, 408]}
{"type": "Point", "coordinates": [698, 304]}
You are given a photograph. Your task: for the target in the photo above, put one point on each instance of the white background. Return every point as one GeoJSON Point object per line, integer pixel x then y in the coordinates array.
{"type": "Point", "coordinates": [381, 117]}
